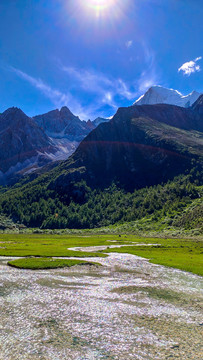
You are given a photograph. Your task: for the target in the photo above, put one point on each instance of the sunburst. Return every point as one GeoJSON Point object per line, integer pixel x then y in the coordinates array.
{"type": "Point", "coordinates": [100, 6]}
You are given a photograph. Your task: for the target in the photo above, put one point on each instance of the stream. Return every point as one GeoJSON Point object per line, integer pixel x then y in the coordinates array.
{"type": "Point", "coordinates": [126, 309]}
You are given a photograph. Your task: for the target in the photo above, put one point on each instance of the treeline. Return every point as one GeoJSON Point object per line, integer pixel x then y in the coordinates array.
{"type": "Point", "coordinates": [82, 207]}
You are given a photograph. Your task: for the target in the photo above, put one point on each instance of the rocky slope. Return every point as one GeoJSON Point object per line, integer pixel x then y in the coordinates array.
{"type": "Point", "coordinates": [27, 144]}
{"type": "Point", "coordinates": [64, 129]}
{"type": "Point", "coordinates": [63, 124]}
{"type": "Point", "coordinates": [23, 145]}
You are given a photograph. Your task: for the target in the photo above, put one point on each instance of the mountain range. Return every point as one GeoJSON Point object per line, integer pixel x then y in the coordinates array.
{"type": "Point", "coordinates": [141, 146]}
{"type": "Point", "coordinates": [146, 161]}
{"type": "Point", "coordinates": [27, 144]}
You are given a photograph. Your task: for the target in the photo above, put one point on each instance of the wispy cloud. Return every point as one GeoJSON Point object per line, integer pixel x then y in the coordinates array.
{"type": "Point", "coordinates": [149, 76]}
{"type": "Point", "coordinates": [91, 82]}
{"type": "Point", "coordinates": [106, 88]}
{"type": "Point", "coordinates": [129, 43]}
{"type": "Point", "coordinates": [90, 93]}
{"type": "Point", "coordinates": [146, 80]}
{"type": "Point", "coordinates": [57, 97]}
{"type": "Point", "coordinates": [190, 67]}
{"type": "Point", "coordinates": [126, 91]}
{"type": "Point", "coordinates": [112, 91]}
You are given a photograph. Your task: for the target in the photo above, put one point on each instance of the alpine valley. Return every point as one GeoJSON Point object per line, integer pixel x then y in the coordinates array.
{"type": "Point", "coordinates": [144, 164]}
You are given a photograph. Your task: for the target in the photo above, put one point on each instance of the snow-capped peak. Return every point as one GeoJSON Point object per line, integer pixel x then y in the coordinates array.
{"type": "Point", "coordinates": [160, 95]}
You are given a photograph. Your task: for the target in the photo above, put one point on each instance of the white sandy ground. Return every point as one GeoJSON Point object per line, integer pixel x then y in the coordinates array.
{"type": "Point", "coordinates": [75, 313]}
{"type": "Point", "coordinates": [104, 247]}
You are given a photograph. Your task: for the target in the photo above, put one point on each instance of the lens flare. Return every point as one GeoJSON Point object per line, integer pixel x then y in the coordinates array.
{"type": "Point", "coordinates": [100, 6]}
{"type": "Point", "coordinates": [96, 12]}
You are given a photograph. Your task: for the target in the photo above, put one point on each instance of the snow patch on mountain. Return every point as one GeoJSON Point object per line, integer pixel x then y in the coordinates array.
{"type": "Point", "coordinates": [160, 95]}
{"type": "Point", "coordinates": [65, 148]}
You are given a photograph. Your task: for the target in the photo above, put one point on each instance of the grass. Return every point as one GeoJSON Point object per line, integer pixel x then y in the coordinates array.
{"type": "Point", "coordinates": [46, 245]}
{"type": "Point", "coordinates": [46, 263]}
{"type": "Point", "coordinates": [178, 253]}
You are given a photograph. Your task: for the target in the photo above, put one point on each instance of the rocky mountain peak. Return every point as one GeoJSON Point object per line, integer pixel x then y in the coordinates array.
{"type": "Point", "coordinates": [161, 95]}
{"type": "Point", "coordinates": [21, 142]}
{"type": "Point", "coordinates": [14, 117]}
{"type": "Point", "coordinates": [67, 114]}
{"type": "Point", "coordinates": [13, 112]}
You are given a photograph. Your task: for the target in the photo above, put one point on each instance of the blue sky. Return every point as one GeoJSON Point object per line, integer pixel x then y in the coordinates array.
{"type": "Point", "coordinates": [67, 52]}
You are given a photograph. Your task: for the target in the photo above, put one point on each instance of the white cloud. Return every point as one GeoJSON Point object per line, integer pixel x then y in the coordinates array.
{"type": "Point", "coordinates": [124, 90]}
{"type": "Point", "coordinates": [149, 76]}
{"type": "Point", "coordinates": [101, 85]}
{"type": "Point", "coordinates": [108, 99]}
{"type": "Point", "coordinates": [129, 43]}
{"type": "Point", "coordinates": [103, 90]}
{"type": "Point", "coordinates": [190, 67]}
{"type": "Point", "coordinates": [57, 97]}
{"type": "Point", "coordinates": [89, 80]}
{"type": "Point", "coordinates": [146, 82]}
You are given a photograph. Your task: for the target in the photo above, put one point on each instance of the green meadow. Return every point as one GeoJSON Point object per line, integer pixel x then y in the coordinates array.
{"type": "Point", "coordinates": [46, 263]}
{"type": "Point", "coordinates": [47, 245]}
{"type": "Point", "coordinates": [35, 248]}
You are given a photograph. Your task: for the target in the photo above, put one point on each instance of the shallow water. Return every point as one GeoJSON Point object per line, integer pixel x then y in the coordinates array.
{"type": "Point", "coordinates": [126, 309]}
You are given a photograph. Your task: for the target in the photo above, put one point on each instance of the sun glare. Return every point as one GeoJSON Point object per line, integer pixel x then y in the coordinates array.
{"type": "Point", "coordinates": [100, 6]}
{"type": "Point", "coordinates": [98, 12]}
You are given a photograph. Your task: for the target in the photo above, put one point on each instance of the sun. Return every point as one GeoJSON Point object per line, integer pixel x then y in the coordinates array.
{"type": "Point", "coordinates": [100, 6]}
{"type": "Point", "coordinates": [98, 12]}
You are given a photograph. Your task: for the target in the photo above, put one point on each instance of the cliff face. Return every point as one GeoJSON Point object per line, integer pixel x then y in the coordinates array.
{"type": "Point", "coordinates": [20, 139]}
{"type": "Point", "coordinates": [29, 143]}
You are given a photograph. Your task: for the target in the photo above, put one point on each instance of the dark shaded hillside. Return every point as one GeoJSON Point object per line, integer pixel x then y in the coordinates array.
{"type": "Point", "coordinates": [139, 147]}
{"type": "Point", "coordinates": [183, 118]}
{"type": "Point", "coordinates": [197, 107]}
